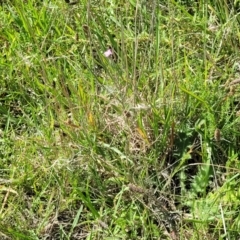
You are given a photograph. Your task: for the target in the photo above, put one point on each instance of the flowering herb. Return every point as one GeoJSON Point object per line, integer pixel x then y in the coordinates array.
{"type": "Point", "coordinates": [108, 53]}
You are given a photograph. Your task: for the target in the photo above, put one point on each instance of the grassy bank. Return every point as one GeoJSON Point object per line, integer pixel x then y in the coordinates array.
{"type": "Point", "coordinates": [141, 144]}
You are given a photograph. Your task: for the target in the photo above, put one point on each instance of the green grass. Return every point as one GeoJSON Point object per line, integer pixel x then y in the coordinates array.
{"type": "Point", "coordinates": [142, 146]}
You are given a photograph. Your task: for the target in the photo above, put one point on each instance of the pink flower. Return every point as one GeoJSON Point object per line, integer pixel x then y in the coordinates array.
{"type": "Point", "coordinates": [108, 53]}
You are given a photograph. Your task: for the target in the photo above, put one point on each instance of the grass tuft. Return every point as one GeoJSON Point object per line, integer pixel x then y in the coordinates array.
{"type": "Point", "coordinates": [139, 143]}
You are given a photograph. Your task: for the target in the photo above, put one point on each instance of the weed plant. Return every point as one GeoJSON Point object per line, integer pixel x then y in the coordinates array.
{"type": "Point", "coordinates": [140, 144]}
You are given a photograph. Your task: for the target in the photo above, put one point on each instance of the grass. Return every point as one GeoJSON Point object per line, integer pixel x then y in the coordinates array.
{"type": "Point", "coordinates": [144, 145]}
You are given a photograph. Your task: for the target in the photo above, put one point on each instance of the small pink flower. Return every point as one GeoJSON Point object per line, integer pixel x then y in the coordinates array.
{"type": "Point", "coordinates": [108, 53]}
